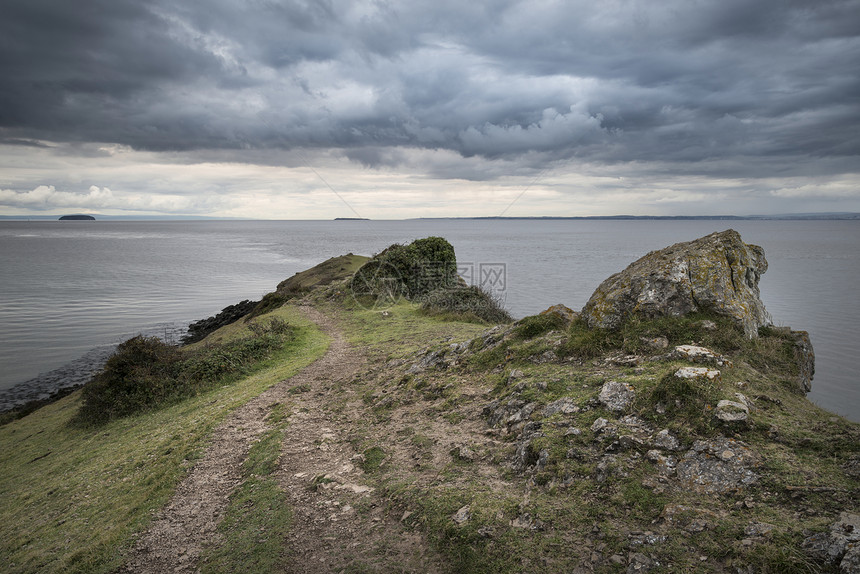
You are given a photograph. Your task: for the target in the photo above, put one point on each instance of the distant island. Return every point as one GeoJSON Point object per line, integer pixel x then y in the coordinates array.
{"type": "Point", "coordinates": [77, 218]}
{"type": "Point", "coordinates": [351, 219]}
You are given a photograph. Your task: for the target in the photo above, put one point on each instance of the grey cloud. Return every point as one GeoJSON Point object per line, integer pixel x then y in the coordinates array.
{"type": "Point", "coordinates": [674, 81]}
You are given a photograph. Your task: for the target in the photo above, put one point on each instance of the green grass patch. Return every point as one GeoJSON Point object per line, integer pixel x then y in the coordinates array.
{"type": "Point", "coordinates": [471, 304]}
{"type": "Point", "coordinates": [373, 459]}
{"type": "Point", "coordinates": [258, 517]}
{"type": "Point", "coordinates": [73, 497]}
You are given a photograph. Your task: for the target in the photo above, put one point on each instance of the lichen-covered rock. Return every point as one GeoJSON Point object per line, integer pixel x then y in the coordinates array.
{"type": "Point", "coordinates": [564, 405]}
{"type": "Point", "coordinates": [805, 360]}
{"type": "Point", "coordinates": [698, 354]}
{"type": "Point", "coordinates": [616, 396]}
{"type": "Point", "coordinates": [838, 546]}
{"type": "Point", "coordinates": [666, 440]}
{"type": "Point", "coordinates": [717, 465]}
{"type": "Point", "coordinates": [731, 411]}
{"type": "Point", "coordinates": [717, 273]}
{"type": "Point", "coordinates": [566, 314]}
{"type": "Point", "coordinates": [698, 373]}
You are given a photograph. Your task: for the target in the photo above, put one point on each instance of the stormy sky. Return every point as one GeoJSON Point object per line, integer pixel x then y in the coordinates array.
{"type": "Point", "coordinates": [318, 109]}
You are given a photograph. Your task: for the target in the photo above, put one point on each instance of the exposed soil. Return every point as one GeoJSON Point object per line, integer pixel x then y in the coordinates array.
{"type": "Point", "coordinates": [338, 521]}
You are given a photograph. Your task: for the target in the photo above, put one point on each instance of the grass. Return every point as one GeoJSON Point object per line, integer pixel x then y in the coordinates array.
{"type": "Point", "coordinates": [258, 516]}
{"type": "Point", "coordinates": [97, 487]}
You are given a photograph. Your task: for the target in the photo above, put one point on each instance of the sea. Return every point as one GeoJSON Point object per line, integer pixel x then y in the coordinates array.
{"type": "Point", "coordinates": [71, 290]}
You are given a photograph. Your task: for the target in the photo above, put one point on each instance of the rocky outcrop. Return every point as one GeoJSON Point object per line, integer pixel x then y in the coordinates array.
{"type": "Point", "coordinates": [805, 357]}
{"type": "Point", "coordinates": [718, 273]}
{"type": "Point", "coordinates": [840, 546]}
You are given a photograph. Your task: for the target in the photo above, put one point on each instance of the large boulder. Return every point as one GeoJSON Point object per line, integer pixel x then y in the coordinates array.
{"type": "Point", "coordinates": [717, 273]}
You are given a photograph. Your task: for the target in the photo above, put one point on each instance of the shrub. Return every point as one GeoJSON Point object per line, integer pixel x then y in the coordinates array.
{"type": "Point", "coordinates": [408, 270]}
{"type": "Point", "coordinates": [465, 303]}
{"type": "Point", "coordinates": [145, 373]}
{"type": "Point", "coordinates": [139, 375]}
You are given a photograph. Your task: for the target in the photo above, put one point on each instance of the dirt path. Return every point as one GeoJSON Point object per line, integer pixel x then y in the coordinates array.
{"type": "Point", "coordinates": [338, 522]}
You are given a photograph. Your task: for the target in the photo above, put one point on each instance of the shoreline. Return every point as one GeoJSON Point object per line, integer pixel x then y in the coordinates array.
{"type": "Point", "coordinates": [52, 385]}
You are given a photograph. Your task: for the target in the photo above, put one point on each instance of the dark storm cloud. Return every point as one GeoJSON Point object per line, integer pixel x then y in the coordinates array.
{"type": "Point", "coordinates": [618, 81]}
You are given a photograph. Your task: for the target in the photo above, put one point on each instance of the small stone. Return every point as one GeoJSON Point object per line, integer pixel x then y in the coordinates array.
{"type": "Point", "coordinates": [563, 405]}
{"type": "Point", "coordinates": [616, 396]}
{"type": "Point", "coordinates": [639, 563]}
{"type": "Point", "coordinates": [656, 343]}
{"type": "Point", "coordinates": [731, 411]}
{"type": "Point", "coordinates": [697, 373]}
{"type": "Point", "coordinates": [462, 515]}
{"type": "Point", "coordinates": [665, 440]}
{"type": "Point", "coordinates": [758, 529]}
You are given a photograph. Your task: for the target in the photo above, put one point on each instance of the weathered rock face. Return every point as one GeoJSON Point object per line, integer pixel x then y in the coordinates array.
{"type": "Point", "coordinates": [718, 273]}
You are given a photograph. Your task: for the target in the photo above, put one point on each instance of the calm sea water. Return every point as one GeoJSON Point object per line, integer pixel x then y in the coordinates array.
{"type": "Point", "coordinates": [72, 289]}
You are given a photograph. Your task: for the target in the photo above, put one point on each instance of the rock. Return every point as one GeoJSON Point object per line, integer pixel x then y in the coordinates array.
{"type": "Point", "coordinates": [639, 563]}
{"type": "Point", "coordinates": [462, 515]}
{"type": "Point", "coordinates": [717, 465]}
{"type": "Point", "coordinates": [698, 373]}
{"type": "Point", "coordinates": [838, 546]}
{"type": "Point", "coordinates": [758, 529]}
{"type": "Point", "coordinates": [655, 343]}
{"type": "Point", "coordinates": [616, 396]}
{"type": "Point", "coordinates": [851, 561]}
{"type": "Point", "coordinates": [566, 314]}
{"type": "Point", "coordinates": [666, 464]}
{"type": "Point", "coordinates": [697, 355]}
{"type": "Point", "coordinates": [731, 412]}
{"type": "Point", "coordinates": [717, 273]}
{"type": "Point", "coordinates": [564, 405]}
{"type": "Point", "coordinates": [665, 440]}
{"type": "Point", "coordinates": [805, 357]}
{"type": "Point", "coordinates": [603, 426]}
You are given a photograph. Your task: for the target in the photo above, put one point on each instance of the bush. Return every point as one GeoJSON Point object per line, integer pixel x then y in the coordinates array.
{"type": "Point", "coordinates": [146, 374]}
{"type": "Point", "coordinates": [139, 375]}
{"type": "Point", "coordinates": [408, 270]}
{"type": "Point", "coordinates": [465, 303]}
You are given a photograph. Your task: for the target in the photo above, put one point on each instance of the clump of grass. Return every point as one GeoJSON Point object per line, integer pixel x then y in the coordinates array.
{"type": "Point", "coordinates": [471, 304]}
{"type": "Point", "coordinates": [146, 373]}
{"type": "Point", "coordinates": [686, 402]}
{"type": "Point", "coordinates": [535, 325]}
{"type": "Point", "coordinates": [373, 458]}
{"type": "Point", "coordinates": [587, 343]}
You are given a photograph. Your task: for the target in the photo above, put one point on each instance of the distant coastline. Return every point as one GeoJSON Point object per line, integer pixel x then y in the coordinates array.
{"type": "Point", "coordinates": [777, 217]}
{"type": "Point", "coordinates": [834, 216]}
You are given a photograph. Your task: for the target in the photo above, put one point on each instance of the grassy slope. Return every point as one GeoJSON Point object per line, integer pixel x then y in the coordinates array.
{"type": "Point", "coordinates": [73, 498]}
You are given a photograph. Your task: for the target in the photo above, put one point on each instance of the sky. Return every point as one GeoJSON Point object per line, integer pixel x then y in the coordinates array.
{"type": "Point", "coordinates": [275, 109]}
